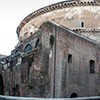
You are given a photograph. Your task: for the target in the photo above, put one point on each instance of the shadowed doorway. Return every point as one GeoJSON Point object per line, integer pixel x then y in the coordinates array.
{"type": "Point", "coordinates": [73, 95]}
{"type": "Point", "coordinates": [1, 85]}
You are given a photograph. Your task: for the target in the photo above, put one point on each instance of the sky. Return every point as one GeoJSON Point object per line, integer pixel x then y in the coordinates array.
{"type": "Point", "coordinates": [12, 12]}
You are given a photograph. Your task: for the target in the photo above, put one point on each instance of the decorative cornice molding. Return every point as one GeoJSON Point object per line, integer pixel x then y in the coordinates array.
{"type": "Point", "coordinates": [60, 5]}
{"type": "Point", "coordinates": [87, 30]}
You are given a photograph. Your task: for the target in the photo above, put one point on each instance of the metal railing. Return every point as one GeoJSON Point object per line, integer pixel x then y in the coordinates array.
{"type": "Point", "coordinates": [32, 98]}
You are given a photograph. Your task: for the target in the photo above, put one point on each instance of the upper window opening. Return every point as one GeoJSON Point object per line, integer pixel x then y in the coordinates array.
{"type": "Point", "coordinates": [16, 52]}
{"type": "Point", "coordinates": [51, 41]}
{"type": "Point", "coordinates": [82, 24]}
{"type": "Point", "coordinates": [28, 48]}
{"type": "Point", "coordinates": [92, 66]}
{"type": "Point", "coordinates": [69, 58]}
{"type": "Point", "coordinates": [37, 43]}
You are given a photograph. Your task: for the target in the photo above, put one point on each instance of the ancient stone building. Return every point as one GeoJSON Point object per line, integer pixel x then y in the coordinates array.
{"type": "Point", "coordinates": [58, 53]}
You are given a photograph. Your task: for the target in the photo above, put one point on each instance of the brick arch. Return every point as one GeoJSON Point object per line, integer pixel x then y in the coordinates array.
{"type": "Point", "coordinates": [28, 48]}
{"type": "Point", "coordinates": [74, 95]}
{"type": "Point", "coordinates": [74, 91]}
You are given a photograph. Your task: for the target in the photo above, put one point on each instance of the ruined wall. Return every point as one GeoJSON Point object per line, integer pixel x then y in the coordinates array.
{"type": "Point", "coordinates": [58, 64]}
{"type": "Point", "coordinates": [78, 77]}
{"type": "Point", "coordinates": [75, 76]}
{"type": "Point", "coordinates": [27, 72]}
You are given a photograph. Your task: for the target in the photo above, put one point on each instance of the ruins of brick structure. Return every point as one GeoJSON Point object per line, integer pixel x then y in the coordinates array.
{"type": "Point", "coordinates": [58, 54]}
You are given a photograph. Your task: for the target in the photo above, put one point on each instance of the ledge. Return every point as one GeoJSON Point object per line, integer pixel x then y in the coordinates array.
{"type": "Point", "coordinates": [87, 30]}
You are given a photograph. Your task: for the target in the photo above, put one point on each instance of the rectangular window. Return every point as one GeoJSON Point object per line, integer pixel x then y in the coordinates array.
{"type": "Point", "coordinates": [69, 58]}
{"type": "Point", "coordinates": [82, 24]}
{"type": "Point", "coordinates": [92, 66]}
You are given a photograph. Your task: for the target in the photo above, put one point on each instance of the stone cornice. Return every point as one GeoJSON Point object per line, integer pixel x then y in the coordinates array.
{"type": "Point", "coordinates": [50, 8]}
{"type": "Point", "coordinates": [87, 30]}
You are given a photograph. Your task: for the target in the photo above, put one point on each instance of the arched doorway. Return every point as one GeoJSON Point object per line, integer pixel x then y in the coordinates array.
{"type": "Point", "coordinates": [73, 95]}
{"type": "Point", "coordinates": [1, 85]}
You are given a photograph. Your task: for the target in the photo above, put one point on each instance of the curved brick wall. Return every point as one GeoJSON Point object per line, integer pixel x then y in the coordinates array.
{"type": "Point", "coordinates": [50, 8]}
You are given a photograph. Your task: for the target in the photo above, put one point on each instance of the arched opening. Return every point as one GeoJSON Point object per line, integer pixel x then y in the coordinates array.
{"type": "Point", "coordinates": [73, 95]}
{"type": "Point", "coordinates": [1, 85]}
{"type": "Point", "coordinates": [28, 48]}
{"type": "Point", "coordinates": [37, 43]}
{"type": "Point", "coordinates": [16, 52]}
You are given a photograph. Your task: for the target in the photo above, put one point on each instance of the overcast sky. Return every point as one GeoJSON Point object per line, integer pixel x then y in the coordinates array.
{"type": "Point", "coordinates": [12, 12]}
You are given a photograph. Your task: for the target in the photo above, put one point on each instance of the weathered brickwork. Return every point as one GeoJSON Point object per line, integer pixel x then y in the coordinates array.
{"type": "Point", "coordinates": [61, 65]}
{"type": "Point", "coordinates": [58, 54]}
{"type": "Point", "coordinates": [26, 74]}
{"type": "Point", "coordinates": [73, 77]}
